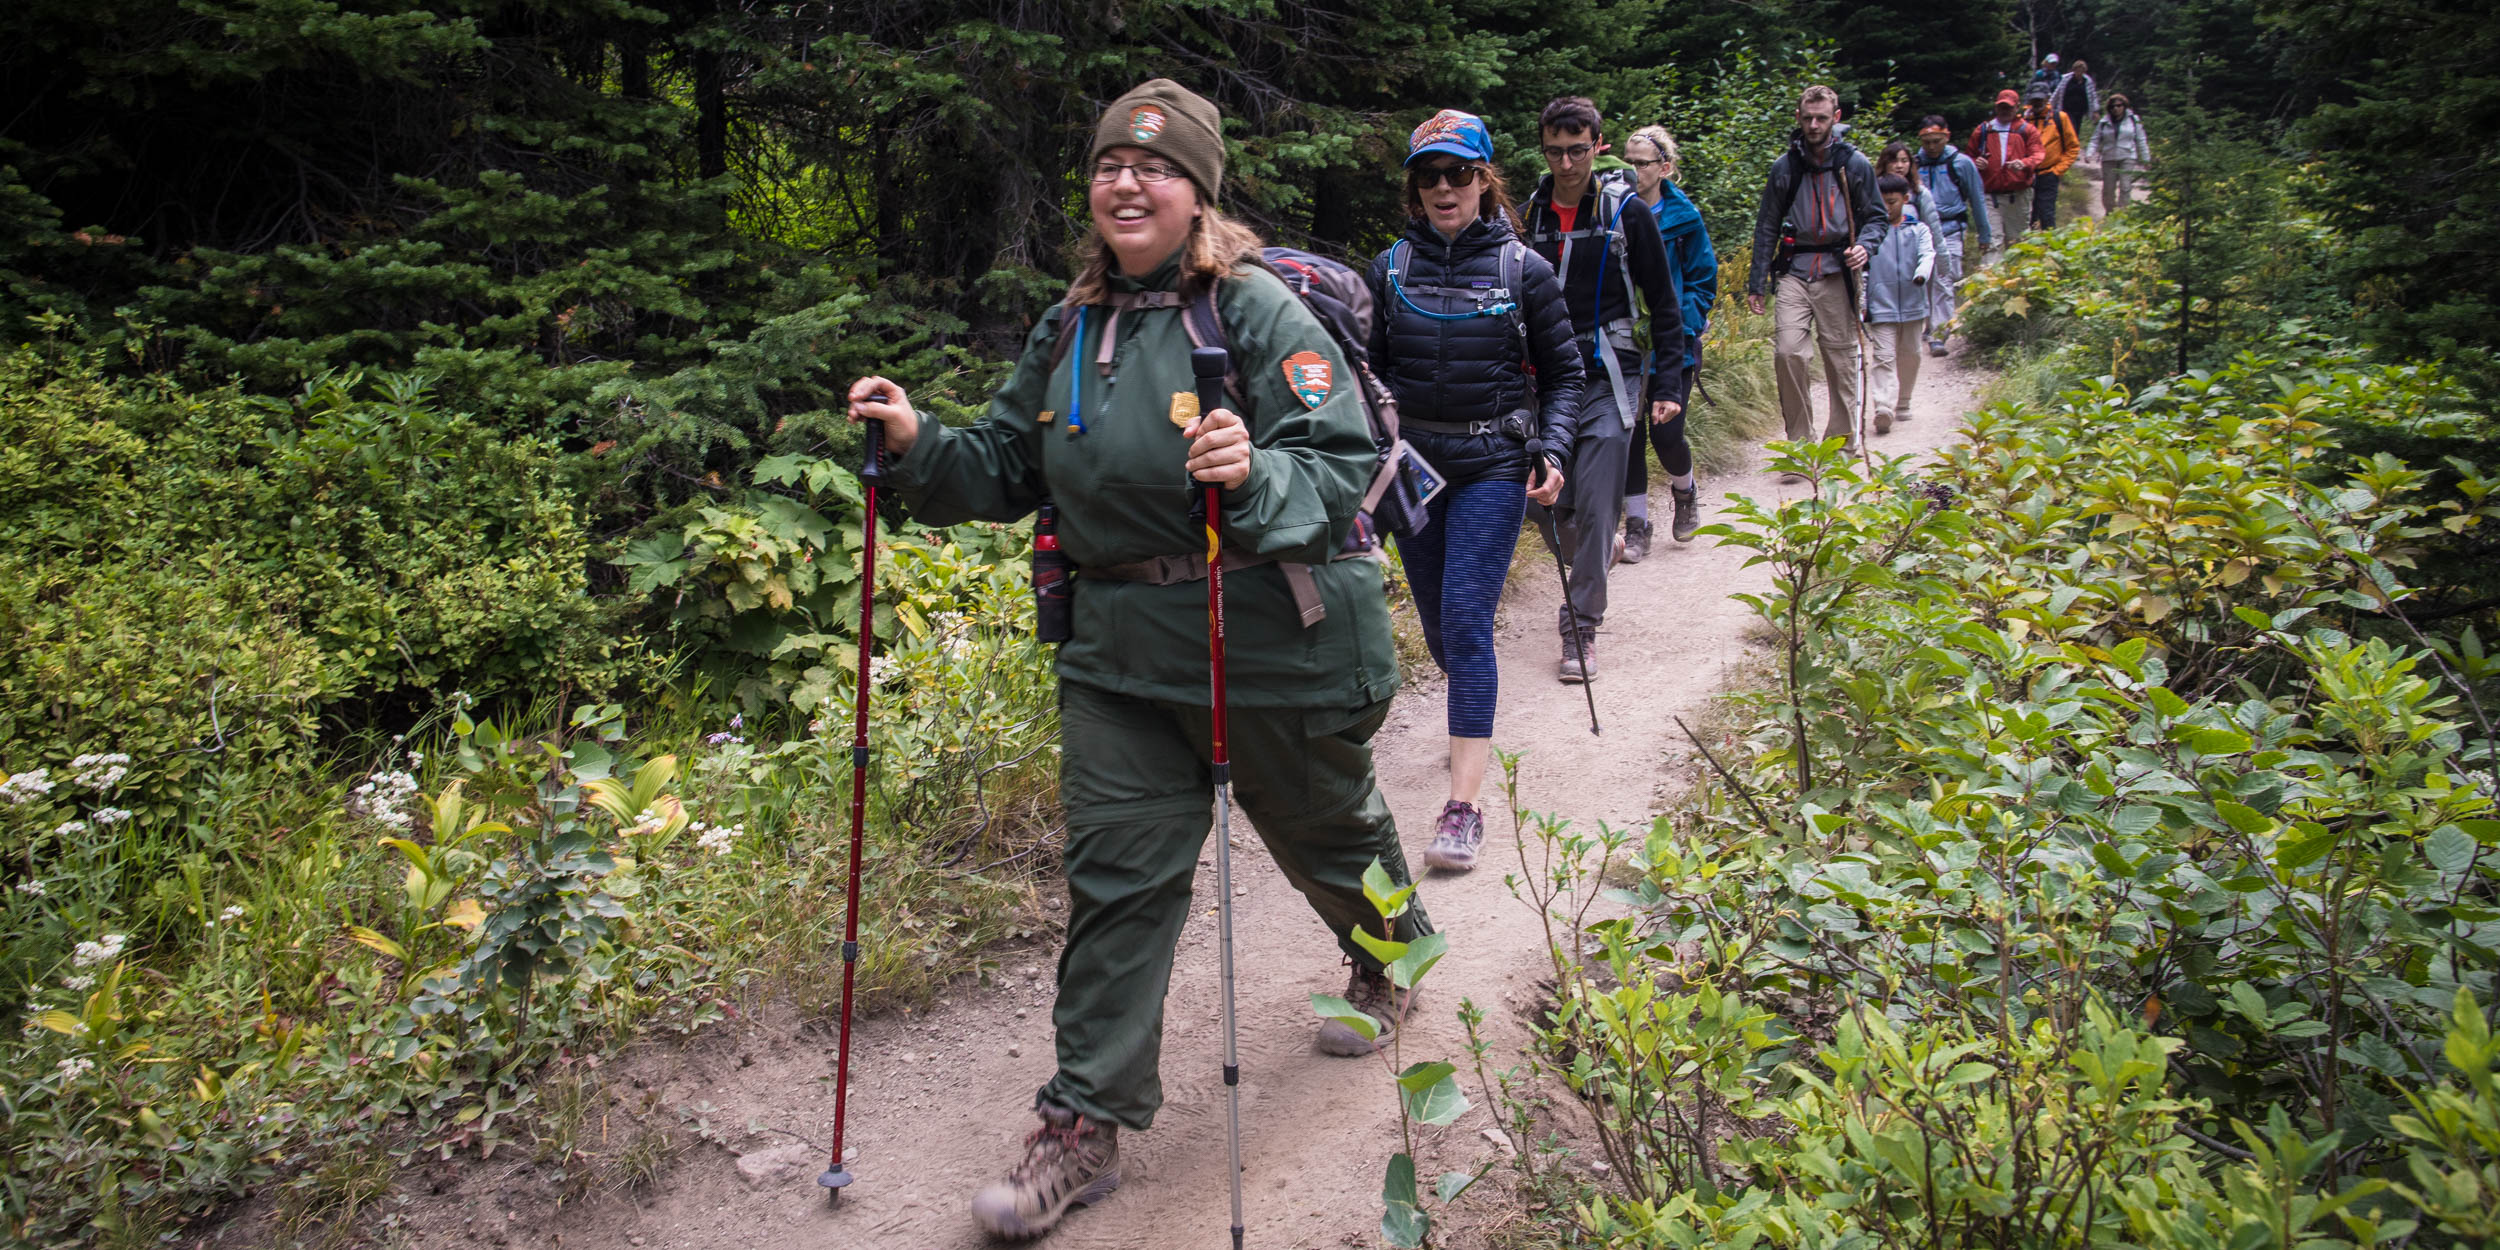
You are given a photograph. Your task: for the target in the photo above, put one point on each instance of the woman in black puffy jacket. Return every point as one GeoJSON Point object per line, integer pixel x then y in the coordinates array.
{"type": "Point", "coordinates": [1463, 309]}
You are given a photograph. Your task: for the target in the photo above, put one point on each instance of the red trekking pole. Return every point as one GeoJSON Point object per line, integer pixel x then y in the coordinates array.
{"type": "Point", "coordinates": [1210, 364]}
{"type": "Point", "coordinates": [835, 1176]}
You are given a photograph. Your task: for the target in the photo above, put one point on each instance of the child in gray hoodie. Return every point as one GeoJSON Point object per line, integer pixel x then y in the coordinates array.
{"type": "Point", "coordinates": [1896, 302]}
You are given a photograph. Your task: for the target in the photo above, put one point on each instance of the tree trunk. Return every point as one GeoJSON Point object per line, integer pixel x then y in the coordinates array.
{"type": "Point", "coordinates": [711, 126]}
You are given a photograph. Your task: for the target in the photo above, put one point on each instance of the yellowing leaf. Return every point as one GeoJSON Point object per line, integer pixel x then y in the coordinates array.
{"type": "Point", "coordinates": [465, 915]}
{"type": "Point", "coordinates": [2154, 608]}
{"type": "Point", "coordinates": [369, 939]}
{"type": "Point", "coordinates": [2237, 571]}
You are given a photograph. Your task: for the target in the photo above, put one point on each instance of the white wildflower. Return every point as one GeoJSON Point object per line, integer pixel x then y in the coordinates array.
{"type": "Point", "coordinates": [109, 815]}
{"type": "Point", "coordinates": [78, 984]}
{"type": "Point", "coordinates": [416, 759]}
{"type": "Point", "coordinates": [717, 838]}
{"type": "Point", "coordinates": [231, 914]}
{"type": "Point", "coordinates": [69, 828]}
{"type": "Point", "coordinates": [33, 889]}
{"type": "Point", "coordinates": [384, 797]}
{"type": "Point", "coordinates": [27, 787]}
{"type": "Point", "coordinates": [880, 669]}
{"type": "Point", "coordinates": [101, 772]}
{"type": "Point", "coordinates": [72, 1069]}
{"type": "Point", "coordinates": [105, 951]}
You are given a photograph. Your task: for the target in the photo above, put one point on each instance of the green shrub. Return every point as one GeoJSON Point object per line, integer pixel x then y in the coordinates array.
{"type": "Point", "coordinates": [2103, 746]}
{"type": "Point", "coordinates": [203, 572]}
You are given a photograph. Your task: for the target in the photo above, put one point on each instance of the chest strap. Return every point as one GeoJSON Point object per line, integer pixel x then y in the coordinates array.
{"type": "Point", "coordinates": [1173, 570]}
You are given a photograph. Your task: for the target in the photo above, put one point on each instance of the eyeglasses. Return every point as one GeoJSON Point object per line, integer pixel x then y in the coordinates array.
{"type": "Point", "coordinates": [1146, 171]}
{"type": "Point", "coordinates": [1577, 151]}
{"type": "Point", "coordinates": [1641, 164]}
{"type": "Point", "coordinates": [1427, 177]}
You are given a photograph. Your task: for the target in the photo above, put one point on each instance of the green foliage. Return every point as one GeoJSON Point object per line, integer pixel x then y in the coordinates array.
{"type": "Point", "coordinates": [2094, 756]}
{"type": "Point", "coordinates": [1427, 1090]}
{"type": "Point", "coordinates": [205, 572]}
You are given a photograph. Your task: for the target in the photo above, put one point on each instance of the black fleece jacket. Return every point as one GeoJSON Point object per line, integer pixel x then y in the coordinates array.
{"type": "Point", "coordinates": [1584, 287]}
{"type": "Point", "coordinates": [1472, 369]}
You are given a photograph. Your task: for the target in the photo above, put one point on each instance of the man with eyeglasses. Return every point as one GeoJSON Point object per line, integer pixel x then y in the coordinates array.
{"type": "Point", "coordinates": [1819, 222]}
{"type": "Point", "coordinates": [1604, 242]}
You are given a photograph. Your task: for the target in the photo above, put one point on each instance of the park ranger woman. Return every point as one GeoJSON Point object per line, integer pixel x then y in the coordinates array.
{"type": "Point", "coordinates": [1098, 419]}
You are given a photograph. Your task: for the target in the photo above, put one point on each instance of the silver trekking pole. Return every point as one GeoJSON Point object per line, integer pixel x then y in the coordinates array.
{"type": "Point", "coordinates": [1210, 364]}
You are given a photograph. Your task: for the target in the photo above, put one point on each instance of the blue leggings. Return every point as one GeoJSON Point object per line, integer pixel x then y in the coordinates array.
{"type": "Point", "coordinates": [1457, 567]}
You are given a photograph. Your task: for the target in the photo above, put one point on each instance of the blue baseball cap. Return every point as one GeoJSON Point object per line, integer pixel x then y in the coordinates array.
{"type": "Point", "coordinates": [1462, 135]}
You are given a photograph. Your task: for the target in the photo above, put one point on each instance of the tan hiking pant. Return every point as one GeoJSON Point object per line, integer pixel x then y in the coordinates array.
{"type": "Point", "coordinates": [1894, 373]}
{"type": "Point", "coordinates": [1808, 316]}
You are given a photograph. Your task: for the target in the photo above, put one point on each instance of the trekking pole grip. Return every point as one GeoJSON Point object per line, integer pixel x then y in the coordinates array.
{"type": "Point", "coordinates": [1209, 365]}
{"type": "Point", "coordinates": [872, 468]}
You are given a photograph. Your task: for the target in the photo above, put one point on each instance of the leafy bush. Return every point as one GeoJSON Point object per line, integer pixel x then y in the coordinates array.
{"type": "Point", "coordinates": [2106, 800]}
{"type": "Point", "coordinates": [207, 572]}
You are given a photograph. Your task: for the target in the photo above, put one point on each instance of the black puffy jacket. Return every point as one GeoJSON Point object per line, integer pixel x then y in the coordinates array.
{"type": "Point", "coordinates": [1470, 369]}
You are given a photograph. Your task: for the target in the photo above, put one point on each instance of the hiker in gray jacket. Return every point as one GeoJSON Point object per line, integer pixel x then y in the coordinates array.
{"type": "Point", "coordinates": [2120, 148]}
{"type": "Point", "coordinates": [1896, 302]}
{"type": "Point", "coordinates": [1818, 221]}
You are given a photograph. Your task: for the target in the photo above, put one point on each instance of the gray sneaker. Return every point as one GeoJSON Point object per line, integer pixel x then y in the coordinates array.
{"type": "Point", "coordinates": [1454, 843]}
{"type": "Point", "coordinates": [1687, 511]}
{"type": "Point", "coordinates": [1370, 993]}
{"type": "Point", "coordinates": [1069, 1161]}
{"type": "Point", "coordinates": [1579, 658]}
{"type": "Point", "coordinates": [1636, 531]}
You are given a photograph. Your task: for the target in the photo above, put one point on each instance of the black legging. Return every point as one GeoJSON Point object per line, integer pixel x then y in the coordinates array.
{"type": "Point", "coordinates": [1675, 452]}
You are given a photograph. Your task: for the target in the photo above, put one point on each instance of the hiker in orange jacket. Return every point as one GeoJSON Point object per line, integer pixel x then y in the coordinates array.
{"type": "Point", "coordinates": [2007, 149]}
{"type": "Point", "coordinates": [2059, 147]}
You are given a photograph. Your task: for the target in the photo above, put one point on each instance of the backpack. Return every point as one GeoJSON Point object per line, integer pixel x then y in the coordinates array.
{"type": "Point", "coordinates": [1339, 299]}
{"type": "Point", "coordinates": [1615, 189]}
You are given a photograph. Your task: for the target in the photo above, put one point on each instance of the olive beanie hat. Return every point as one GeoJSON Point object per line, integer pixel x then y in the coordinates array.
{"type": "Point", "coordinates": [1172, 122]}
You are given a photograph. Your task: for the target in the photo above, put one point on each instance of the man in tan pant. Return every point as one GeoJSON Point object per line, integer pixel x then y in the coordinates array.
{"type": "Point", "coordinates": [1817, 225]}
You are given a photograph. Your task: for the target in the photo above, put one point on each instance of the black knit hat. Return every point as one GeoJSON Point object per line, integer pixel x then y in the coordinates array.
{"type": "Point", "coordinates": [1172, 122]}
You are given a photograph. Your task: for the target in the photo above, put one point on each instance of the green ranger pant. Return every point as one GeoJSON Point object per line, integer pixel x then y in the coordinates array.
{"type": "Point", "coordinates": [1134, 780]}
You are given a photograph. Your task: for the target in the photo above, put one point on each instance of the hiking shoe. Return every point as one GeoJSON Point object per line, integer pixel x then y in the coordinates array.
{"type": "Point", "coordinates": [1935, 347]}
{"type": "Point", "coordinates": [1883, 423]}
{"type": "Point", "coordinates": [1370, 992]}
{"type": "Point", "coordinates": [1791, 479]}
{"type": "Point", "coordinates": [1454, 843]}
{"type": "Point", "coordinates": [1687, 511]}
{"type": "Point", "coordinates": [1579, 661]}
{"type": "Point", "coordinates": [1902, 417]}
{"type": "Point", "coordinates": [1636, 532]}
{"type": "Point", "coordinates": [1069, 1161]}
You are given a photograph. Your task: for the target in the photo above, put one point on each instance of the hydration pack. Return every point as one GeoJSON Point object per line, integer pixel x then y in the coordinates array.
{"type": "Point", "coordinates": [1341, 301]}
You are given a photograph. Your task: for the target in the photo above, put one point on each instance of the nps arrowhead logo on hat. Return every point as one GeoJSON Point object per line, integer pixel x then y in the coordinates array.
{"type": "Point", "coordinates": [1310, 377]}
{"type": "Point", "coordinates": [1145, 123]}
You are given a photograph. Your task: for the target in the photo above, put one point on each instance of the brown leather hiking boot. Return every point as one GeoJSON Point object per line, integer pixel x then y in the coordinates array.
{"type": "Point", "coordinates": [1370, 993]}
{"type": "Point", "coordinates": [1070, 1161]}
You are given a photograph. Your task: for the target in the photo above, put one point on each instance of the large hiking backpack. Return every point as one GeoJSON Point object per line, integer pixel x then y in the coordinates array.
{"type": "Point", "coordinates": [1402, 483]}
{"type": "Point", "coordinates": [1615, 189]}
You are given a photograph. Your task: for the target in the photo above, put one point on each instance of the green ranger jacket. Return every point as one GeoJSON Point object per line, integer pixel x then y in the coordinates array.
{"type": "Point", "coordinates": [1123, 496]}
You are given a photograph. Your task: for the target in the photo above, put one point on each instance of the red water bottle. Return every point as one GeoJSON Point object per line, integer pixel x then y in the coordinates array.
{"type": "Point", "coordinates": [1053, 616]}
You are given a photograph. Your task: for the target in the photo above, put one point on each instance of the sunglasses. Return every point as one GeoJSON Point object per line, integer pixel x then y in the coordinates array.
{"type": "Point", "coordinates": [1426, 177]}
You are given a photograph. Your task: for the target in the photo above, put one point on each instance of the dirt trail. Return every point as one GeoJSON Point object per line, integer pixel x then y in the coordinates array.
{"type": "Point", "coordinates": [939, 1103]}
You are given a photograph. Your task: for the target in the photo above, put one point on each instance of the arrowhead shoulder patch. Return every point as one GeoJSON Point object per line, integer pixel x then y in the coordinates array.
{"type": "Point", "coordinates": [1310, 376]}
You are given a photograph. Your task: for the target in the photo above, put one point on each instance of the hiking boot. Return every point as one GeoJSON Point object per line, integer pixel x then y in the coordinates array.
{"type": "Point", "coordinates": [1370, 992]}
{"type": "Point", "coordinates": [1687, 511]}
{"type": "Point", "coordinates": [1935, 347]}
{"type": "Point", "coordinates": [1883, 423]}
{"type": "Point", "coordinates": [1579, 660]}
{"type": "Point", "coordinates": [1454, 843]}
{"type": "Point", "coordinates": [1069, 1161]}
{"type": "Point", "coordinates": [1636, 532]}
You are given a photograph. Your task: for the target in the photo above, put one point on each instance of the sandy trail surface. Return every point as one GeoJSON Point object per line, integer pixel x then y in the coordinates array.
{"type": "Point", "coordinates": [940, 1098]}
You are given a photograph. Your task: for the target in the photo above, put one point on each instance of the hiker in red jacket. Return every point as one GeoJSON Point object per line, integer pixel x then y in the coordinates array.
{"type": "Point", "coordinates": [2007, 150]}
